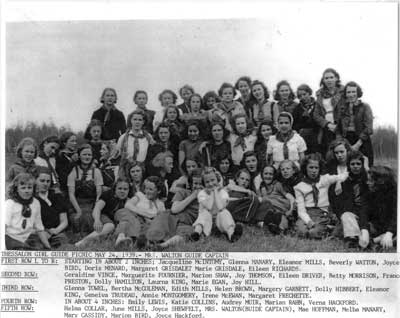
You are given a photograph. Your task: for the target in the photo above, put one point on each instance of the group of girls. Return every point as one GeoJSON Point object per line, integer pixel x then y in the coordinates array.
{"type": "Point", "coordinates": [209, 164]}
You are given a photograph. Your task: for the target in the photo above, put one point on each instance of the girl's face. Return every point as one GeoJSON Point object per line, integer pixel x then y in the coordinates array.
{"type": "Point", "coordinates": [268, 175]}
{"type": "Point", "coordinates": [137, 122]}
{"type": "Point", "coordinates": [210, 102]}
{"type": "Point", "coordinates": [150, 190]}
{"type": "Point", "coordinates": [224, 166]}
{"type": "Point", "coordinates": [312, 169]}
{"type": "Point", "coordinates": [186, 93]}
{"type": "Point", "coordinates": [195, 104]}
{"type": "Point", "coordinates": [172, 114]}
{"type": "Point", "coordinates": [109, 97]}
{"type": "Point", "coordinates": [163, 134]}
{"type": "Point", "coordinates": [197, 183]}
{"type": "Point", "coordinates": [340, 153]}
{"type": "Point", "coordinates": [284, 92]}
{"type": "Point", "coordinates": [193, 133]}
{"type": "Point", "coordinates": [71, 143]}
{"type": "Point", "coordinates": [141, 100]}
{"type": "Point", "coordinates": [227, 94]}
{"type": "Point", "coordinates": [217, 132]}
{"type": "Point", "coordinates": [25, 190]}
{"type": "Point", "coordinates": [95, 132]}
{"type": "Point", "coordinates": [167, 99]}
{"type": "Point", "coordinates": [43, 183]}
{"type": "Point", "coordinates": [356, 166]}
{"type": "Point", "coordinates": [351, 94]}
{"type": "Point", "coordinates": [136, 174]}
{"type": "Point", "coordinates": [50, 148]}
{"type": "Point", "coordinates": [258, 92]}
{"type": "Point", "coordinates": [241, 125]}
{"type": "Point", "coordinates": [243, 180]}
{"type": "Point", "coordinates": [168, 164]}
{"type": "Point", "coordinates": [303, 96]}
{"type": "Point", "coordinates": [266, 131]}
{"type": "Point", "coordinates": [329, 79]}
{"type": "Point", "coordinates": [28, 153]}
{"type": "Point", "coordinates": [122, 190]}
{"type": "Point", "coordinates": [210, 181]}
{"type": "Point", "coordinates": [86, 156]}
{"type": "Point", "coordinates": [103, 150]}
{"type": "Point", "coordinates": [284, 124]}
{"type": "Point", "coordinates": [251, 163]}
{"type": "Point", "coordinates": [287, 170]}
{"type": "Point", "coordinates": [244, 88]}
{"type": "Point", "coordinates": [191, 165]}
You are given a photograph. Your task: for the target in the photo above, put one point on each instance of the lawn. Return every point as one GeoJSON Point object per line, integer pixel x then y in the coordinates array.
{"type": "Point", "coordinates": [253, 240]}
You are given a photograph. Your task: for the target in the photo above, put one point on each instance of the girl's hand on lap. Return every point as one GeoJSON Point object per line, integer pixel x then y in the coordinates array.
{"type": "Point", "coordinates": [387, 240]}
{"type": "Point", "coordinates": [53, 231]}
{"type": "Point", "coordinates": [98, 226]}
{"type": "Point", "coordinates": [338, 188]}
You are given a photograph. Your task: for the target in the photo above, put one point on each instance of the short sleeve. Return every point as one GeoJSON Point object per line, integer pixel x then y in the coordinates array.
{"type": "Point", "coordinates": [98, 178]}
{"type": "Point", "coordinates": [270, 145]}
{"type": "Point", "coordinates": [182, 146]}
{"type": "Point", "coordinates": [71, 178]}
{"type": "Point", "coordinates": [180, 196]}
{"type": "Point", "coordinates": [37, 224]}
{"type": "Point", "coordinates": [301, 144]}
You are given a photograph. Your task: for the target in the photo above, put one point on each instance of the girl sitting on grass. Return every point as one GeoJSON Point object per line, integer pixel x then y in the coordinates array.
{"type": "Point", "coordinates": [134, 220]}
{"type": "Point", "coordinates": [104, 211]}
{"type": "Point", "coordinates": [380, 222]}
{"type": "Point", "coordinates": [212, 208]}
{"type": "Point", "coordinates": [312, 198]}
{"type": "Point", "coordinates": [188, 166]}
{"type": "Point", "coordinates": [53, 209]}
{"type": "Point", "coordinates": [26, 153]}
{"type": "Point", "coordinates": [24, 227]}
{"type": "Point", "coordinates": [351, 203]}
{"type": "Point", "coordinates": [282, 202]}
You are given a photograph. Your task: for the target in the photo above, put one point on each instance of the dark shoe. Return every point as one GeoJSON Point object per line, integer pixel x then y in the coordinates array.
{"type": "Point", "coordinates": [274, 229]}
{"type": "Point", "coordinates": [195, 236]}
{"type": "Point", "coordinates": [237, 233]}
{"type": "Point", "coordinates": [141, 242]}
{"type": "Point", "coordinates": [351, 242]}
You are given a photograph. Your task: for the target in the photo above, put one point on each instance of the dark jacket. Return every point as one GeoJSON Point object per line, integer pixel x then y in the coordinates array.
{"type": "Point", "coordinates": [114, 127]}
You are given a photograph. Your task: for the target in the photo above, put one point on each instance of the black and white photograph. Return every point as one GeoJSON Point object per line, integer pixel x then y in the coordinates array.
{"type": "Point", "coordinates": [272, 131]}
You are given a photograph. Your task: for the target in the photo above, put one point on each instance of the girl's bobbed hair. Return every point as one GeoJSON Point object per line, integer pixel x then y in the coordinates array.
{"type": "Point", "coordinates": [168, 91]}
{"type": "Point", "coordinates": [224, 86]}
{"type": "Point", "coordinates": [312, 157]}
{"type": "Point", "coordinates": [104, 93]}
{"type": "Point", "coordinates": [20, 179]}
{"type": "Point", "coordinates": [334, 72]}
{"type": "Point", "coordinates": [27, 141]}
{"type": "Point", "coordinates": [264, 87]}
{"type": "Point", "coordinates": [277, 97]}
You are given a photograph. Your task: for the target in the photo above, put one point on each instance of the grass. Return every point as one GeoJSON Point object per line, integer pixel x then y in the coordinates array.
{"type": "Point", "coordinates": [253, 239]}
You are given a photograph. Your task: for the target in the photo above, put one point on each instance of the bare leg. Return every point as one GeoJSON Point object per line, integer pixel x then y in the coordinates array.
{"type": "Point", "coordinates": [107, 228]}
{"type": "Point", "coordinates": [172, 241]}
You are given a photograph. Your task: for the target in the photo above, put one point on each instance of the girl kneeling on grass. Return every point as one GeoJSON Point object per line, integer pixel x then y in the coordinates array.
{"type": "Point", "coordinates": [24, 227]}
{"type": "Point", "coordinates": [140, 210]}
{"type": "Point", "coordinates": [104, 211]}
{"type": "Point", "coordinates": [282, 202]}
{"type": "Point", "coordinates": [212, 207]}
{"type": "Point", "coordinates": [312, 198]}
